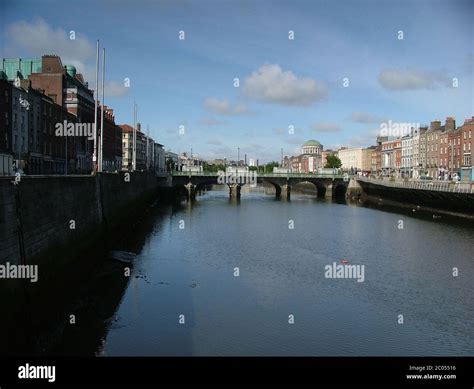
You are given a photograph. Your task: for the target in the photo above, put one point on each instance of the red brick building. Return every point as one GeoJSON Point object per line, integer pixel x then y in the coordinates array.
{"type": "Point", "coordinates": [376, 159]}
{"type": "Point", "coordinates": [6, 157]}
{"type": "Point", "coordinates": [112, 145]}
{"type": "Point", "coordinates": [467, 147]}
{"type": "Point", "coordinates": [68, 88]}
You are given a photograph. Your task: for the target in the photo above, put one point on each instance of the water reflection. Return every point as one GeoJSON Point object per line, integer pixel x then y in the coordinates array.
{"type": "Point", "coordinates": [190, 271]}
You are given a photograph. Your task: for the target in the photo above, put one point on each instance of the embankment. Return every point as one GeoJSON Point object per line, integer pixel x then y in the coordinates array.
{"type": "Point", "coordinates": [65, 225]}
{"type": "Point", "coordinates": [453, 203]}
{"type": "Point", "coordinates": [42, 215]}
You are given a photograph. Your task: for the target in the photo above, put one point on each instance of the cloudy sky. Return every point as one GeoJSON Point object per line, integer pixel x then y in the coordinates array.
{"type": "Point", "coordinates": [345, 71]}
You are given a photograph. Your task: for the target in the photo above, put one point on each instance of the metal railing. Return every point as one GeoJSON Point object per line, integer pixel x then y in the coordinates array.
{"type": "Point", "coordinates": [267, 175]}
{"type": "Point", "coordinates": [438, 186]}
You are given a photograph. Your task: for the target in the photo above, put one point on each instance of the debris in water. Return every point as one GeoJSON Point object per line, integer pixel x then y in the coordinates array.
{"type": "Point", "coordinates": [122, 256]}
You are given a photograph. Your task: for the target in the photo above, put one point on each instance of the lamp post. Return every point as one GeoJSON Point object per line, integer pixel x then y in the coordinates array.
{"type": "Point", "coordinates": [24, 103]}
{"type": "Point", "coordinates": [452, 158]}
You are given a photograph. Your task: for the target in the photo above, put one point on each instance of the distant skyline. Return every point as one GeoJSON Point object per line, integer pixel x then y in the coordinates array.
{"type": "Point", "coordinates": [282, 82]}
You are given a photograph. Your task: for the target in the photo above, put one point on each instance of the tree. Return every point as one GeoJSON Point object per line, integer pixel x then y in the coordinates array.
{"type": "Point", "coordinates": [269, 166]}
{"type": "Point", "coordinates": [333, 161]}
{"type": "Point", "coordinates": [207, 167]}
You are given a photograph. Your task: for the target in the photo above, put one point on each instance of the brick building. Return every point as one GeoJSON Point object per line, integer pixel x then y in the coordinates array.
{"type": "Point", "coordinates": [59, 93]}
{"type": "Point", "coordinates": [467, 147]}
{"type": "Point", "coordinates": [6, 154]}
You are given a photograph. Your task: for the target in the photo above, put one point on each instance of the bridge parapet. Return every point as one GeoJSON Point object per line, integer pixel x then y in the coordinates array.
{"type": "Point", "coordinates": [437, 186]}
{"type": "Point", "coordinates": [328, 185]}
{"type": "Point", "coordinates": [264, 175]}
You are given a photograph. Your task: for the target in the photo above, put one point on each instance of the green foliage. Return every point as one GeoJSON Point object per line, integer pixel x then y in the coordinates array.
{"type": "Point", "coordinates": [269, 166]}
{"type": "Point", "coordinates": [207, 167]}
{"type": "Point", "coordinates": [333, 161]}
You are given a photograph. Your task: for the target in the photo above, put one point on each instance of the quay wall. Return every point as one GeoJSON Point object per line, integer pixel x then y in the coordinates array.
{"type": "Point", "coordinates": [41, 214]}
{"type": "Point", "coordinates": [455, 202]}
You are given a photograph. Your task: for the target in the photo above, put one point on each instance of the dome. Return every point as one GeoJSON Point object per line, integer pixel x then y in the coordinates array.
{"type": "Point", "coordinates": [71, 70]}
{"type": "Point", "coordinates": [312, 142]}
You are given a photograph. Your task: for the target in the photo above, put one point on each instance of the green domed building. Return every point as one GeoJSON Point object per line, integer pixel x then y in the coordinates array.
{"type": "Point", "coordinates": [312, 147]}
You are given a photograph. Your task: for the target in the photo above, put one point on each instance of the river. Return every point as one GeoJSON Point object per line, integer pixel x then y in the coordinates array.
{"type": "Point", "coordinates": [226, 278]}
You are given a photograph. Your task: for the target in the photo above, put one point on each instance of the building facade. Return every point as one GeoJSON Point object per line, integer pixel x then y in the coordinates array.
{"type": "Point", "coordinates": [359, 159]}
{"type": "Point", "coordinates": [467, 142]}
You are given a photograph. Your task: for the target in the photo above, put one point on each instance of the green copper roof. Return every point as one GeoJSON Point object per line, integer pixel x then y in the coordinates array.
{"type": "Point", "coordinates": [312, 142]}
{"type": "Point", "coordinates": [71, 70]}
{"type": "Point", "coordinates": [20, 67]}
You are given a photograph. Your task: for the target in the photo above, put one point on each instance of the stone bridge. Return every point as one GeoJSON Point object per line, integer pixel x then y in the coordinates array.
{"type": "Point", "coordinates": [327, 185]}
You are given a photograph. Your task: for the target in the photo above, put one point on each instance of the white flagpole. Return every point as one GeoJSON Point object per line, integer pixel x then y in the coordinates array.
{"type": "Point", "coordinates": [101, 159]}
{"type": "Point", "coordinates": [94, 156]}
{"type": "Point", "coordinates": [134, 162]}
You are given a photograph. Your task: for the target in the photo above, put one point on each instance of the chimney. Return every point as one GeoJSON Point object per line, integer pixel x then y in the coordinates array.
{"type": "Point", "coordinates": [450, 123]}
{"type": "Point", "coordinates": [435, 125]}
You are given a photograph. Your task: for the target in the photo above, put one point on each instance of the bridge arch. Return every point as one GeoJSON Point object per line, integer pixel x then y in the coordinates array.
{"type": "Point", "coordinates": [339, 190]}
{"type": "Point", "coordinates": [320, 186]}
{"type": "Point", "coordinates": [276, 185]}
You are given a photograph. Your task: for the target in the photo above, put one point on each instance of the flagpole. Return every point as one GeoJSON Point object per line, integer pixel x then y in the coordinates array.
{"type": "Point", "coordinates": [101, 151]}
{"type": "Point", "coordinates": [94, 156]}
{"type": "Point", "coordinates": [134, 156]}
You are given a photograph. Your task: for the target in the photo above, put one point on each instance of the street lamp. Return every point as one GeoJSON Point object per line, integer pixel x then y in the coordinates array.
{"type": "Point", "coordinates": [24, 103]}
{"type": "Point", "coordinates": [452, 157]}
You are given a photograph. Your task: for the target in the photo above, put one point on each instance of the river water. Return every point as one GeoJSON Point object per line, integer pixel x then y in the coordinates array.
{"type": "Point", "coordinates": [186, 296]}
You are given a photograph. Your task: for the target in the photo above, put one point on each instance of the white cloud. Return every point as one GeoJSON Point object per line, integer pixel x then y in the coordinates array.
{"type": "Point", "coordinates": [295, 141]}
{"type": "Point", "coordinates": [409, 79]}
{"type": "Point", "coordinates": [366, 118]}
{"type": "Point", "coordinates": [223, 107]}
{"type": "Point", "coordinates": [326, 127]}
{"type": "Point", "coordinates": [210, 122]}
{"type": "Point", "coordinates": [273, 85]}
{"type": "Point", "coordinates": [115, 89]}
{"type": "Point", "coordinates": [214, 142]}
{"type": "Point", "coordinates": [37, 38]}
{"type": "Point", "coordinates": [364, 139]}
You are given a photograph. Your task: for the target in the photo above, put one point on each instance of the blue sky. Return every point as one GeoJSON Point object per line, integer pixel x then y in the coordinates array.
{"type": "Point", "coordinates": [283, 82]}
